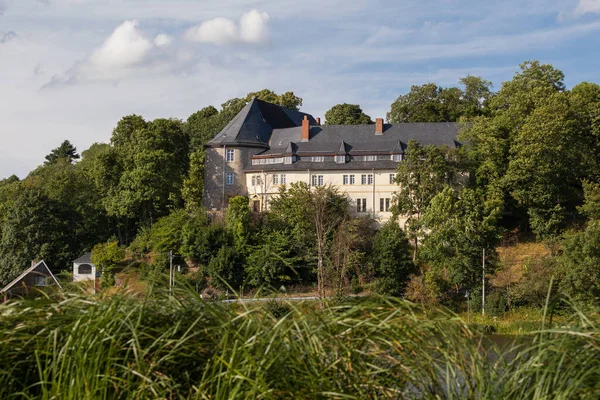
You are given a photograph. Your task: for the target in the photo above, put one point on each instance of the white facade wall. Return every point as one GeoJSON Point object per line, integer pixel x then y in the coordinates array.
{"type": "Point", "coordinates": [375, 190]}
{"type": "Point", "coordinates": [78, 277]}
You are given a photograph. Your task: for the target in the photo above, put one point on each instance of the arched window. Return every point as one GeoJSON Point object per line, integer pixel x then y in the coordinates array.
{"type": "Point", "coordinates": [85, 269]}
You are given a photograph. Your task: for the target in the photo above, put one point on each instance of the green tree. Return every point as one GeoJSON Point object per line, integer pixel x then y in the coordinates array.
{"type": "Point", "coordinates": [432, 103]}
{"type": "Point", "coordinates": [65, 151]}
{"type": "Point", "coordinates": [226, 269]}
{"type": "Point", "coordinates": [193, 185]}
{"type": "Point", "coordinates": [201, 239]}
{"type": "Point", "coordinates": [315, 214]}
{"type": "Point", "coordinates": [349, 252]}
{"type": "Point", "coordinates": [591, 205]}
{"type": "Point", "coordinates": [544, 170]}
{"type": "Point", "coordinates": [237, 222]}
{"type": "Point", "coordinates": [476, 95]}
{"type": "Point", "coordinates": [392, 259]}
{"type": "Point", "coordinates": [272, 260]}
{"type": "Point", "coordinates": [287, 99]}
{"type": "Point", "coordinates": [580, 265]}
{"type": "Point", "coordinates": [35, 228]}
{"type": "Point", "coordinates": [347, 114]}
{"type": "Point", "coordinates": [107, 256]}
{"type": "Point", "coordinates": [423, 174]}
{"type": "Point", "coordinates": [527, 150]}
{"type": "Point", "coordinates": [459, 226]}
{"type": "Point", "coordinates": [142, 176]}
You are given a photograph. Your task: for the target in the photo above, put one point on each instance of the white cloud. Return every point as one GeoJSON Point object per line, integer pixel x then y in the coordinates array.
{"type": "Point", "coordinates": [126, 49]}
{"type": "Point", "coordinates": [252, 28]}
{"type": "Point", "coordinates": [162, 40]}
{"type": "Point", "coordinates": [587, 7]}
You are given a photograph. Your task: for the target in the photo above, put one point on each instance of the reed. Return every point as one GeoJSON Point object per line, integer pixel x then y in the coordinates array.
{"type": "Point", "coordinates": [120, 347]}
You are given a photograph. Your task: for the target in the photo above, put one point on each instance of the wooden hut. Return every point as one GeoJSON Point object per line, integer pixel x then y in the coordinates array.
{"type": "Point", "coordinates": [37, 276]}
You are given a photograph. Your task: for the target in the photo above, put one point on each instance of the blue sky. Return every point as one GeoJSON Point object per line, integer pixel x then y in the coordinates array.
{"type": "Point", "coordinates": [70, 69]}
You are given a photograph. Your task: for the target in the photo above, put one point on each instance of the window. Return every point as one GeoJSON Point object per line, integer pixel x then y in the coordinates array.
{"type": "Point", "coordinates": [370, 179]}
{"type": "Point", "coordinates": [320, 180]}
{"type": "Point", "coordinates": [258, 180]}
{"type": "Point", "coordinates": [363, 180]}
{"type": "Point", "coordinates": [384, 205]}
{"type": "Point", "coordinates": [275, 179]}
{"type": "Point", "coordinates": [314, 180]}
{"type": "Point", "coordinates": [370, 158]}
{"type": "Point", "coordinates": [253, 180]}
{"type": "Point", "coordinates": [230, 155]}
{"type": "Point", "coordinates": [84, 269]}
{"type": "Point", "coordinates": [361, 205]}
{"type": "Point", "coordinates": [392, 178]}
{"type": "Point", "coordinates": [317, 159]}
{"type": "Point", "coordinates": [40, 280]}
{"type": "Point", "coordinates": [229, 178]}
{"type": "Point", "coordinates": [352, 179]}
{"type": "Point", "coordinates": [283, 179]}
{"type": "Point", "coordinates": [345, 179]}
{"type": "Point", "coordinates": [317, 180]}
{"type": "Point", "coordinates": [340, 159]}
{"type": "Point", "coordinates": [396, 157]}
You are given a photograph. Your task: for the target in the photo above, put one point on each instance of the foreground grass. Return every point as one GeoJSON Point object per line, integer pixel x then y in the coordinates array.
{"type": "Point", "coordinates": [184, 347]}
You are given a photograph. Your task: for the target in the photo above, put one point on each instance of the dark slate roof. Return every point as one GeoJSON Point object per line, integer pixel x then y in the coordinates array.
{"type": "Point", "coordinates": [253, 125]}
{"type": "Point", "coordinates": [326, 166]}
{"type": "Point", "coordinates": [361, 139]}
{"type": "Point", "coordinates": [84, 259]}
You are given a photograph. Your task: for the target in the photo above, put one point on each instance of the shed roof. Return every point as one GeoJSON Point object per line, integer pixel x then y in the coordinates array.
{"type": "Point", "coordinates": [84, 259]}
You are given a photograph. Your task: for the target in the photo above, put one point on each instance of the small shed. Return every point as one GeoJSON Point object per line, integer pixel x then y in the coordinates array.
{"type": "Point", "coordinates": [37, 276]}
{"type": "Point", "coordinates": [83, 269]}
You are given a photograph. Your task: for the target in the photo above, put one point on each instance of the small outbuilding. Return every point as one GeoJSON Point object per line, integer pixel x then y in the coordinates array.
{"type": "Point", "coordinates": [38, 276]}
{"type": "Point", "coordinates": [83, 269]}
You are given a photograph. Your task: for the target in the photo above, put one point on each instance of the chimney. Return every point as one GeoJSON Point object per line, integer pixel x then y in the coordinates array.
{"type": "Point", "coordinates": [318, 120]}
{"type": "Point", "coordinates": [305, 129]}
{"type": "Point", "coordinates": [379, 126]}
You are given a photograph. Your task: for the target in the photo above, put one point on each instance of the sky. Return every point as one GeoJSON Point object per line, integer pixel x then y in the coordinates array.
{"type": "Point", "coordinates": [70, 69]}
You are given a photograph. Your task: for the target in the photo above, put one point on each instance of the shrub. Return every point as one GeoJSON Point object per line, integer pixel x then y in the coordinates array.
{"type": "Point", "coordinates": [277, 309]}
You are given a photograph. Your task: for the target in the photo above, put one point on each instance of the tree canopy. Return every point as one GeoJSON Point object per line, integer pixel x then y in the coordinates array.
{"type": "Point", "coordinates": [347, 114]}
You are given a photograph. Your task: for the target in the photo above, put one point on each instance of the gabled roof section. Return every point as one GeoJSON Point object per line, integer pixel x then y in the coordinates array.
{"type": "Point", "coordinates": [344, 148]}
{"type": "Point", "coordinates": [40, 266]}
{"type": "Point", "coordinates": [84, 259]}
{"type": "Point", "coordinates": [291, 148]}
{"type": "Point", "coordinates": [399, 148]}
{"type": "Point", "coordinates": [254, 124]}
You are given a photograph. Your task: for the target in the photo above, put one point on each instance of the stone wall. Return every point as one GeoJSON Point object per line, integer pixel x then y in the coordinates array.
{"type": "Point", "coordinates": [216, 192]}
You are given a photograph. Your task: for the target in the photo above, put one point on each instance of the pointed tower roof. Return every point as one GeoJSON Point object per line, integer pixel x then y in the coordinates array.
{"type": "Point", "coordinates": [253, 125]}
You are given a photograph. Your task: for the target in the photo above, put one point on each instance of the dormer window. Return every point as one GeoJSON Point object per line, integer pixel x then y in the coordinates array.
{"type": "Point", "coordinates": [397, 157]}
{"type": "Point", "coordinates": [340, 159]}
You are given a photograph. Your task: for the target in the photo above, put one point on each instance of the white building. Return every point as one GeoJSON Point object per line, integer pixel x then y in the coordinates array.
{"type": "Point", "coordinates": [266, 146]}
{"type": "Point", "coordinates": [83, 269]}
